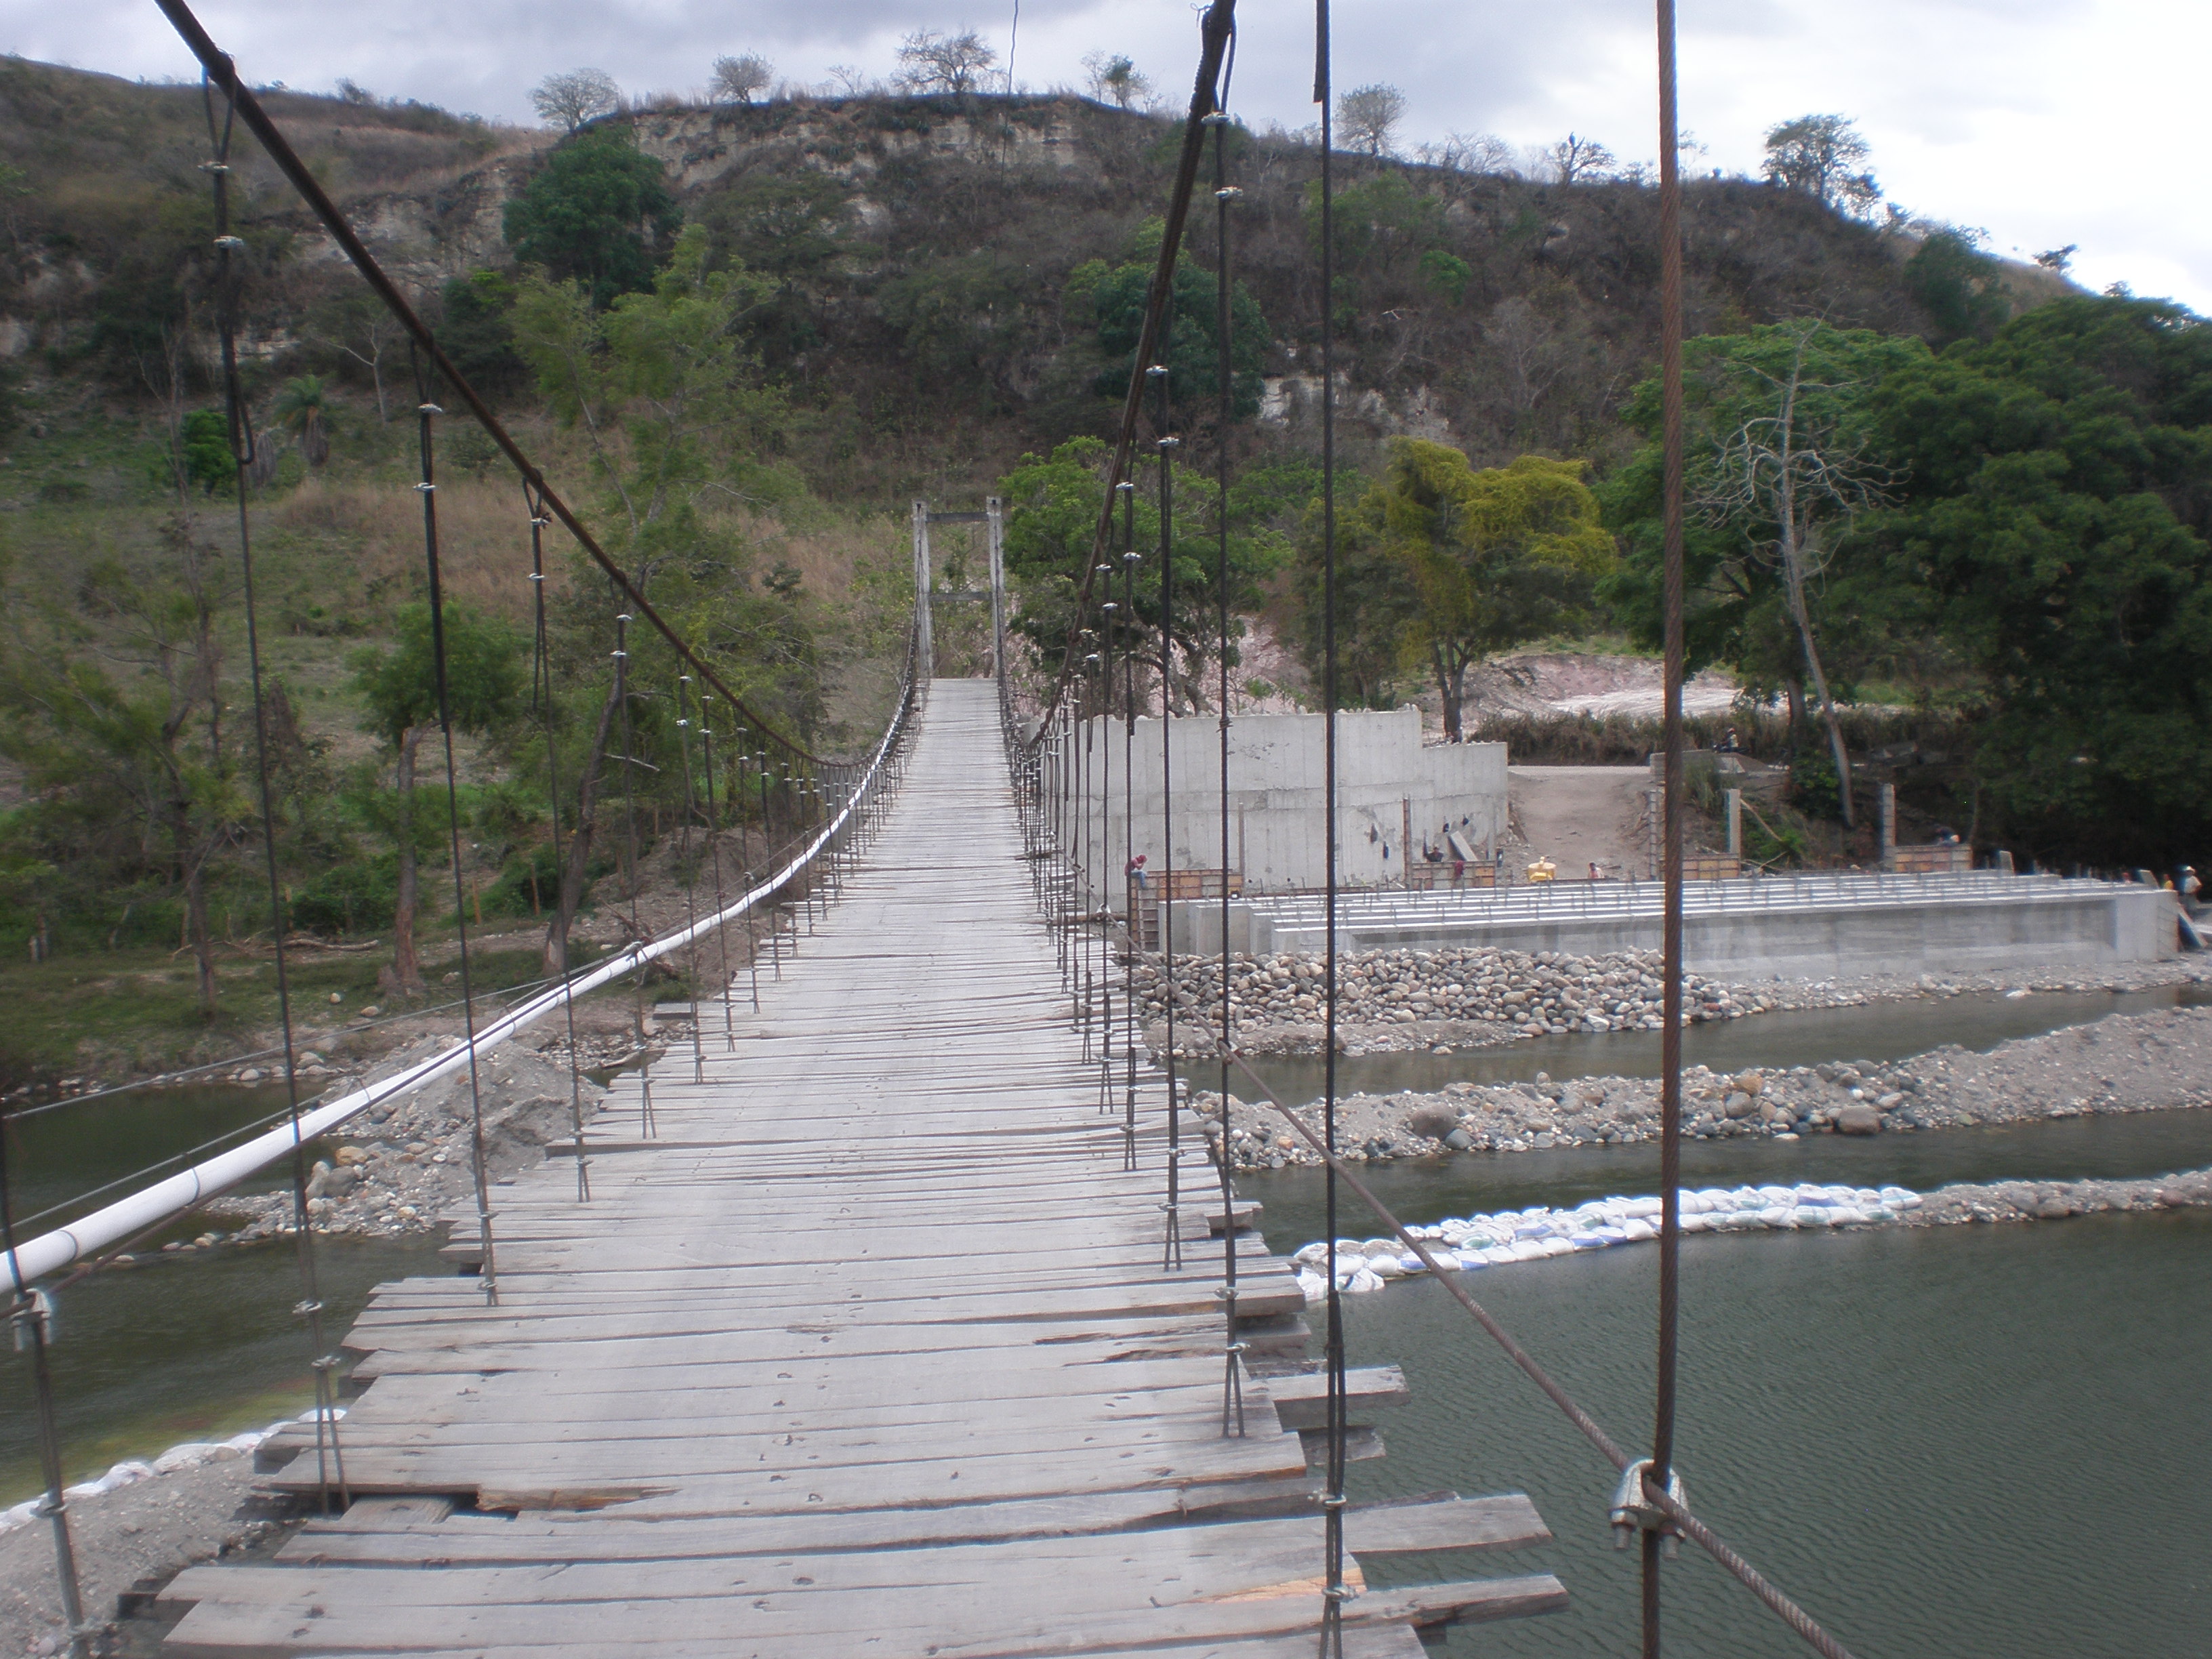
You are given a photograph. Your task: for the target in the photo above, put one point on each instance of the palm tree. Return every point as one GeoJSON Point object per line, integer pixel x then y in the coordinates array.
{"type": "Point", "coordinates": [302, 409]}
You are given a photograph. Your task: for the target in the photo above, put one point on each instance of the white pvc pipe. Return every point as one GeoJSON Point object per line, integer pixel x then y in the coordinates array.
{"type": "Point", "coordinates": [51, 1251]}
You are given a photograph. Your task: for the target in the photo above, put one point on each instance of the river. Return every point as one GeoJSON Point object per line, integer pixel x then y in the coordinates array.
{"type": "Point", "coordinates": [1960, 1440]}
{"type": "Point", "coordinates": [1970, 1440]}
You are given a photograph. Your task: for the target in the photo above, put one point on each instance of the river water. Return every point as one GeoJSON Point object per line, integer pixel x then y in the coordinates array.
{"type": "Point", "coordinates": [1970, 1440]}
{"type": "Point", "coordinates": [1957, 1441]}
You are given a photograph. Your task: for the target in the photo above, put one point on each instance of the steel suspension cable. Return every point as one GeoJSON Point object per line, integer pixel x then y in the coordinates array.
{"type": "Point", "coordinates": [714, 855]}
{"type": "Point", "coordinates": [541, 697]}
{"type": "Point", "coordinates": [1132, 885]}
{"type": "Point", "coordinates": [1232, 1396]}
{"type": "Point", "coordinates": [1669, 1503]}
{"type": "Point", "coordinates": [426, 415]}
{"type": "Point", "coordinates": [683, 863]}
{"type": "Point", "coordinates": [1165, 446]}
{"type": "Point", "coordinates": [1659, 1479]}
{"type": "Point", "coordinates": [329, 1456]}
{"type": "Point", "coordinates": [1333, 1591]}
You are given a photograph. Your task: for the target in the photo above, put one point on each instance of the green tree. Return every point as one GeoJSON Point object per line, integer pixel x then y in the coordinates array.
{"type": "Point", "coordinates": [1053, 504]}
{"type": "Point", "coordinates": [1192, 343]}
{"type": "Point", "coordinates": [1816, 155]}
{"type": "Point", "coordinates": [599, 212]}
{"type": "Point", "coordinates": [484, 685]}
{"type": "Point", "coordinates": [1115, 76]}
{"type": "Point", "coordinates": [131, 772]}
{"type": "Point", "coordinates": [1960, 287]}
{"type": "Point", "coordinates": [1776, 587]}
{"type": "Point", "coordinates": [476, 331]}
{"type": "Point", "coordinates": [2056, 514]}
{"type": "Point", "coordinates": [203, 440]}
{"type": "Point", "coordinates": [303, 409]}
{"type": "Point", "coordinates": [667, 394]}
{"type": "Point", "coordinates": [1497, 558]}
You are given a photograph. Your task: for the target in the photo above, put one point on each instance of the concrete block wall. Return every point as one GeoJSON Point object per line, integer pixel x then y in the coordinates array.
{"type": "Point", "coordinates": [1276, 815]}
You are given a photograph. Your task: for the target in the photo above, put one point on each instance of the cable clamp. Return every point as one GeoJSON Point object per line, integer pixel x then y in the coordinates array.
{"type": "Point", "coordinates": [1634, 1511]}
{"type": "Point", "coordinates": [302, 1310]}
{"type": "Point", "coordinates": [1218, 119]}
{"type": "Point", "coordinates": [426, 489]}
{"type": "Point", "coordinates": [427, 408]}
{"type": "Point", "coordinates": [1228, 193]}
{"type": "Point", "coordinates": [229, 242]}
{"type": "Point", "coordinates": [35, 1308]}
{"type": "Point", "coordinates": [215, 167]}
{"type": "Point", "coordinates": [538, 576]}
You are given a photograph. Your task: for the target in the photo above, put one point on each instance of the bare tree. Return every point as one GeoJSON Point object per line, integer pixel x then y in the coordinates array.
{"type": "Point", "coordinates": [1467, 152]}
{"type": "Point", "coordinates": [362, 327]}
{"type": "Point", "coordinates": [1815, 155]}
{"type": "Point", "coordinates": [1113, 75]}
{"type": "Point", "coordinates": [850, 83]}
{"type": "Point", "coordinates": [574, 97]}
{"type": "Point", "coordinates": [737, 79]}
{"type": "Point", "coordinates": [1367, 117]}
{"type": "Point", "coordinates": [1793, 473]}
{"type": "Point", "coordinates": [955, 64]}
{"type": "Point", "coordinates": [1576, 160]}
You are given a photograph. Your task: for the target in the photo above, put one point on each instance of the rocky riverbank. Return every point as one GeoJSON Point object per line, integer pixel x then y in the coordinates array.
{"type": "Point", "coordinates": [404, 1161]}
{"type": "Point", "coordinates": [2123, 1063]}
{"type": "Point", "coordinates": [1394, 1001]}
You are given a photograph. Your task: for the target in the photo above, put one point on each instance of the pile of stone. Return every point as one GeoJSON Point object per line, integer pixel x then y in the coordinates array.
{"type": "Point", "coordinates": [403, 1161]}
{"type": "Point", "coordinates": [1477, 994]}
{"type": "Point", "coordinates": [2124, 1063]}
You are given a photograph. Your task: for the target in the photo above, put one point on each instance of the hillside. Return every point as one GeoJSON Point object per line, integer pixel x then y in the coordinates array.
{"type": "Point", "coordinates": [923, 250]}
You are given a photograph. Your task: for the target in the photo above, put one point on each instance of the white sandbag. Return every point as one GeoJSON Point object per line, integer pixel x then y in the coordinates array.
{"type": "Point", "coordinates": [129, 1473]}
{"type": "Point", "coordinates": [1814, 1215]}
{"type": "Point", "coordinates": [1311, 1255]}
{"type": "Point", "coordinates": [1385, 1266]}
{"type": "Point", "coordinates": [1313, 1287]}
{"type": "Point", "coordinates": [1556, 1245]}
{"type": "Point", "coordinates": [189, 1456]}
{"type": "Point", "coordinates": [1780, 1215]}
{"type": "Point", "coordinates": [1362, 1283]}
{"type": "Point", "coordinates": [248, 1441]}
{"type": "Point", "coordinates": [1637, 1230]}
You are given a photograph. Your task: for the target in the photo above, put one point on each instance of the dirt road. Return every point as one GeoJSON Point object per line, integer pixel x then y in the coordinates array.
{"type": "Point", "coordinates": [1573, 815]}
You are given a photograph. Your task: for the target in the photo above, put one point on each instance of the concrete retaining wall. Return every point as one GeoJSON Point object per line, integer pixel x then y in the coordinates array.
{"type": "Point", "coordinates": [1747, 929]}
{"type": "Point", "coordinates": [1386, 777]}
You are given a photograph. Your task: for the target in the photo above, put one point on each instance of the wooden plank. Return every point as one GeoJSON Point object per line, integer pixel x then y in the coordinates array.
{"type": "Point", "coordinates": [1302, 1402]}
{"type": "Point", "coordinates": [868, 1351]}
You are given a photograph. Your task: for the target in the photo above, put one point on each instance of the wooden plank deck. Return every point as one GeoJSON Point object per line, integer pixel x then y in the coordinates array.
{"type": "Point", "coordinates": [867, 1349]}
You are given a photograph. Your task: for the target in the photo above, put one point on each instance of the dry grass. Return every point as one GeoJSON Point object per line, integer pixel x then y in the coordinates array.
{"type": "Point", "coordinates": [484, 542]}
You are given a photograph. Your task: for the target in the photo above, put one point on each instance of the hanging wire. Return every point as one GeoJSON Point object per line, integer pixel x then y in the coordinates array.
{"type": "Point", "coordinates": [1233, 1386]}
{"type": "Point", "coordinates": [630, 764]}
{"type": "Point", "coordinates": [541, 702]}
{"type": "Point", "coordinates": [330, 1459]}
{"type": "Point", "coordinates": [714, 856]}
{"type": "Point", "coordinates": [1659, 1479]}
{"type": "Point", "coordinates": [1166, 445]}
{"type": "Point", "coordinates": [1333, 1591]}
{"type": "Point", "coordinates": [1131, 874]}
{"type": "Point", "coordinates": [684, 866]}
{"type": "Point", "coordinates": [426, 415]}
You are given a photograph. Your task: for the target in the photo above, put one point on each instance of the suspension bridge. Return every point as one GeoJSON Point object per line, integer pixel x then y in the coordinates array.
{"type": "Point", "coordinates": [868, 1347]}
{"type": "Point", "coordinates": [897, 1329]}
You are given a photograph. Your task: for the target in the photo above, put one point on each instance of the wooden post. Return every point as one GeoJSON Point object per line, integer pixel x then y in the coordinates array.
{"type": "Point", "coordinates": [1886, 797]}
{"type": "Point", "coordinates": [1651, 814]}
{"type": "Point", "coordinates": [927, 667]}
{"type": "Point", "coordinates": [1406, 842]}
{"type": "Point", "coordinates": [1736, 823]}
{"type": "Point", "coordinates": [996, 514]}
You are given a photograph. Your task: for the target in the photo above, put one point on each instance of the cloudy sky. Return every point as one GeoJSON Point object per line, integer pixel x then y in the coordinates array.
{"type": "Point", "coordinates": [2045, 122]}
